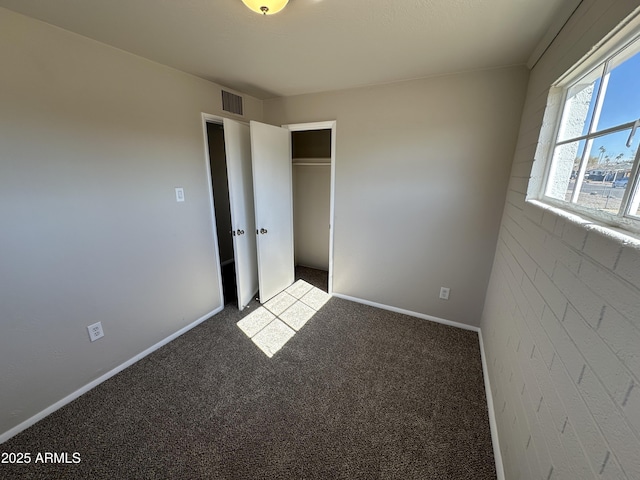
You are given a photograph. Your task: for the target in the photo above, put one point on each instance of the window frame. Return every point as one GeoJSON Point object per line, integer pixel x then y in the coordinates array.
{"type": "Point", "coordinates": [600, 57]}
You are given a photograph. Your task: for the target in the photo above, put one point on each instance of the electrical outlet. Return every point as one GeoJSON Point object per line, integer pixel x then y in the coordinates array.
{"type": "Point", "coordinates": [95, 331]}
{"type": "Point", "coordinates": [444, 293]}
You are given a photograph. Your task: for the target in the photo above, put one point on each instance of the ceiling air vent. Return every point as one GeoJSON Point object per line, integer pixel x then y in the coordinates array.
{"type": "Point", "coordinates": [231, 103]}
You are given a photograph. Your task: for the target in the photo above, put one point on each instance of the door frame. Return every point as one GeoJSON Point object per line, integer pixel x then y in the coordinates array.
{"type": "Point", "coordinates": [326, 125]}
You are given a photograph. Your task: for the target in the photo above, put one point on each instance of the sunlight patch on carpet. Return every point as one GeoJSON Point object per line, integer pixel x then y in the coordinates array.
{"type": "Point", "coordinates": [272, 325]}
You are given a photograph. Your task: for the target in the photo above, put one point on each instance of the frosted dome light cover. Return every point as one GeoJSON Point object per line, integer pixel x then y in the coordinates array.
{"type": "Point", "coordinates": [266, 7]}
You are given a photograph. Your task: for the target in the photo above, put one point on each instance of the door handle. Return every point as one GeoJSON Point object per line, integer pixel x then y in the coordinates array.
{"type": "Point", "coordinates": [240, 232]}
{"type": "Point", "coordinates": [263, 230]}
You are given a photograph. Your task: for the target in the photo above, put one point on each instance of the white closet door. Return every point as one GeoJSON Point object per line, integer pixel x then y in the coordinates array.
{"type": "Point", "coordinates": [237, 141]}
{"type": "Point", "coordinates": [273, 197]}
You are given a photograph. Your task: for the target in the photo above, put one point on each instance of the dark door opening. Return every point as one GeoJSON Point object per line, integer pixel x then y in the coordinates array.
{"type": "Point", "coordinates": [222, 209]}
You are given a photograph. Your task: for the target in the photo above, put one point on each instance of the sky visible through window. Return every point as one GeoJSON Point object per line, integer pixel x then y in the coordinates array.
{"type": "Point", "coordinates": [621, 105]}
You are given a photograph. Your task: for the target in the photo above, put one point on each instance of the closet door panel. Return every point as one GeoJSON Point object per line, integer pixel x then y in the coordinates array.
{"type": "Point", "coordinates": [273, 199]}
{"type": "Point", "coordinates": [238, 152]}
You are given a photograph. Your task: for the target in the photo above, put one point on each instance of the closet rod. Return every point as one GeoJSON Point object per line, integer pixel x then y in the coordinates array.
{"type": "Point", "coordinates": [312, 163]}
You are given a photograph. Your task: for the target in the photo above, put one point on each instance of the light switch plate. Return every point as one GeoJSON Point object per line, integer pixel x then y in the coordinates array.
{"type": "Point", "coordinates": [179, 194]}
{"type": "Point", "coordinates": [444, 293]}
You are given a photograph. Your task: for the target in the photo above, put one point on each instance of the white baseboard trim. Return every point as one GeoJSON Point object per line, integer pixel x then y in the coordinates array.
{"type": "Point", "coordinates": [71, 397]}
{"type": "Point", "coordinates": [408, 312]}
{"type": "Point", "coordinates": [497, 455]}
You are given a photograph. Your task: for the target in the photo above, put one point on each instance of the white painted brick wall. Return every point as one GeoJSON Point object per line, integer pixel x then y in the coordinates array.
{"type": "Point", "coordinates": [602, 249]}
{"type": "Point", "coordinates": [628, 266]}
{"type": "Point", "coordinates": [561, 323]}
{"type": "Point", "coordinates": [622, 337]}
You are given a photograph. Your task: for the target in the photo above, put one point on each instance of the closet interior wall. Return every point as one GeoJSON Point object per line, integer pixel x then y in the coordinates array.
{"type": "Point", "coordinates": [311, 152]}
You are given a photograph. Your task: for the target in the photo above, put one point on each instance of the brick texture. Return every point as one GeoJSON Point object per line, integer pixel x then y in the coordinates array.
{"type": "Point", "coordinates": [561, 323]}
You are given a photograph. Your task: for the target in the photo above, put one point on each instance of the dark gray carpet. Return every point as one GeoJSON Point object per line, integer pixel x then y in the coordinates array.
{"type": "Point", "coordinates": [357, 393]}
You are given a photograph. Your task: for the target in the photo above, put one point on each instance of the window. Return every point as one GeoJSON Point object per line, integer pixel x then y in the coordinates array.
{"type": "Point", "coordinates": [594, 156]}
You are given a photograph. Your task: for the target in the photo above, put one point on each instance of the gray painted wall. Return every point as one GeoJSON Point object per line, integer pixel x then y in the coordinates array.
{"type": "Point", "coordinates": [561, 326]}
{"type": "Point", "coordinates": [93, 142]}
{"type": "Point", "coordinates": [311, 212]}
{"type": "Point", "coordinates": [421, 175]}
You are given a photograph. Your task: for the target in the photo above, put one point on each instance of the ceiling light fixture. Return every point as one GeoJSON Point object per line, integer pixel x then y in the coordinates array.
{"type": "Point", "coordinates": [266, 7]}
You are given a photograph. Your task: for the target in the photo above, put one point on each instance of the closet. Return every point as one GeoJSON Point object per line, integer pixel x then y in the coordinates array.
{"type": "Point", "coordinates": [272, 201]}
{"type": "Point", "coordinates": [276, 200]}
{"type": "Point", "coordinates": [311, 160]}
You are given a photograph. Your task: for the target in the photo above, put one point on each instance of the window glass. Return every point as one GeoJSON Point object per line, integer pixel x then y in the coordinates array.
{"type": "Point", "coordinates": [579, 106]}
{"type": "Point", "coordinates": [622, 99]}
{"type": "Point", "coordinates": [566, 165]}
{"type": "Point", "coordinates": [609, 160]}
{"type": "Point", "coordinates": [634, 207]}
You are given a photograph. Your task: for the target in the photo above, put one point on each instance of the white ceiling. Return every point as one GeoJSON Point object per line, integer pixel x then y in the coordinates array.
{"type": "Point", "coordinates": [312, 45]}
